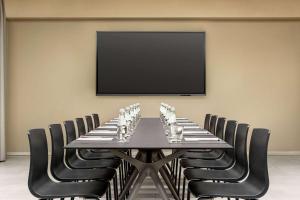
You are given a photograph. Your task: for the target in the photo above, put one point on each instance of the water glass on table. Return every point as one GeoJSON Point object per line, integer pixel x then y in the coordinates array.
{"type": "Point", "coordinates": [121, 133]}
{"type": "Point", "coordinates": [176, 133]}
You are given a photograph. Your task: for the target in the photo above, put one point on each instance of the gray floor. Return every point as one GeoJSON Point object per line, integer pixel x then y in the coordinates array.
{"type": "Point", "coordinates": [284, 178]}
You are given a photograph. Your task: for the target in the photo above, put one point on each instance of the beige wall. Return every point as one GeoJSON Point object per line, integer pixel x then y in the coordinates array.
{"type": "Point", "coordinates": [153, 8]}
{"type": "Point", "coordinates": [253, 70]}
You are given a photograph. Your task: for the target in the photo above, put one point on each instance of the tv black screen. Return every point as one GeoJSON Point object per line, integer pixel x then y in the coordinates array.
{"type": "Point", "coordinates": [150, 63]}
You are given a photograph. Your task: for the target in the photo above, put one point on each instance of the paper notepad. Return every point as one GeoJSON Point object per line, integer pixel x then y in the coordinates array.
{"type": "Point", "coordinates": [187, 123]}
{"type": "Point", "coordinates": [103, 132]}
{"type": "Point", "coordinates": [103, 127]}
{"type": "Point", "coordinates": [195, 132]}
{"type": "Point", "coordinates": [191, 127]}
{"type": "Point", "coordinates": [200, 139]}
{"type": "Point", "coordinates": [95, 138]}
{"type": "Point", "coordinates": [112, 123]}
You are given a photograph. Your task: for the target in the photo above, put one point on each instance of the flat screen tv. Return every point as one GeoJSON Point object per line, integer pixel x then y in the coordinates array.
{"type": "Point", "coordinates": [150, 63]}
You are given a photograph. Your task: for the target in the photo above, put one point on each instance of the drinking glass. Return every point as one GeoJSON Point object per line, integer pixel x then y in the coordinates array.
{"type": "Point", "coordinates": [176, 134]}
{"type": "Point", "coordinates": [179, 133]}
{"type": "Point", "coordinates": [121, 134]}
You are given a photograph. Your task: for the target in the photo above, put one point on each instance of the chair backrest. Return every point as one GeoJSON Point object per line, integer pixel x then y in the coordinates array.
{"type": "Point", "coordinates": [230, 131]}
{"type": "Point", "coordinates": [240, 147]}
{"type": "Point", "coordinates": [38, 159]}
{"type": "Point", "coordinates": [206, 121]}
{"type": "Point", "coordinates": [89, 123]}
{"type": "Point", "coordinates": [229, 136]}
{"type": "Point", "coordinates": [57, 158]}
{"type": "Point", "coordinates": [212, 124]}
{"type": "Point", "coordinates": [220, 127]}
{"type": "Point", "coordinates": [258, 160]}
{"type": "Point", "coordinates": [96, 120]}
{"type": "Point", "coordinates": [70, 130]}
{"type": "Point", "coordinates": [80, 126]}
{"type": "Point", "coordinates": [71, 135]}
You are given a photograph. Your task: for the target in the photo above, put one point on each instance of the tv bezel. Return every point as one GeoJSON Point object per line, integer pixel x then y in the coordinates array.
{"type": "Point", "coordinates": [154, 94]}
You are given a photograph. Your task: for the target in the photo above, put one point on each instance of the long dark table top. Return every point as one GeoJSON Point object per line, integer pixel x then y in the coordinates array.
{"type": "Point", "coordinates": [149, 134]}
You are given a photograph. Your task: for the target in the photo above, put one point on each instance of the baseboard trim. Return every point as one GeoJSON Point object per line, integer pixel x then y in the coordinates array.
{"type": "Point", "coordinates": [271, 153]}
{"type": "Point", "coordinates": [18, 153]}
{"type": "Point", "coordinates": [284, 153]}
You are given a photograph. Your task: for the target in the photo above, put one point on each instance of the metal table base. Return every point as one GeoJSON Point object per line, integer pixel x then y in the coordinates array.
{"type": "Point", "coordinates": [149, 163]}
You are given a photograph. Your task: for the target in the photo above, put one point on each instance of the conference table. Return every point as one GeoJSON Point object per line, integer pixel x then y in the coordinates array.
{"type": "Point", "coordinates": [149, 139]}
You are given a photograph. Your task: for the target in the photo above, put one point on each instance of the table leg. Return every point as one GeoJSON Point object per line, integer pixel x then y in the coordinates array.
{"type": "Point", "coordinates": [157, 182]}
{"type": "Point", "coordinates": [137, 184]}
{"type": "Point", "coordinates": [166, 176]}
{"type": "Point", "coordinates": [149, 163]}
{"type": "Point", "coordinates": [169, 183]}
{"type": "Point", "coordinates": [128, 184]}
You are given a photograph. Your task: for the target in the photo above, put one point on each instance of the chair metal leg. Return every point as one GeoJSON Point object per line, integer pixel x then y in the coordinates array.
{"type": "Point", "coordinates": [172, 167]}
{"type": "Point", "coordinates": [188, 194]}
{"type": "Point", "coordinates": [115, 183]}
{"type": "Point", "coordinates": [176, 170]}
{"type": "Point", "coordinates": [125, 170]}
{"type": "Point", "coordinates": [183, 187]}
{"type": "Point", "coordinates": [123, 173]}
{"type": "Point", "coordinates": [179, 178]}
{"type": "Point", "coordinates": [120, 178]}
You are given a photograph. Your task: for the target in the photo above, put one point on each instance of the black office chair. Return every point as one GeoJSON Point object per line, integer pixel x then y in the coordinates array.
{"type": "Point", "coordinates": [200, 153]}
{"type": "Point", "coordinates": [62, 173]}
{"type": "Point", "coordinates": [225, 161]}
{"type": "Point", "coordinates": [89, 123]}
{"type": "Point", "coordinates": [74, 162]}
{"type": "Point", "coordinates": [236, 173]}
{"type": "Point", "coordinates": [80, 126]}
{"type": "Point", "coordinates": [206, 121]}
{"type": "Point", "coordinates": [213, 154]}
{"type": "Point", "coordinates": [256, 184]}
{"type": "Point", "coordinates": [42, 187]}
{"type": "Point", "coordinates": [212, 124]}
{"type": "Point", "coordinates": [220, 127]}
{"type": "Point", "coordinates": [90, 154]}
{"type": "Point", "coordinates": [96, 120]}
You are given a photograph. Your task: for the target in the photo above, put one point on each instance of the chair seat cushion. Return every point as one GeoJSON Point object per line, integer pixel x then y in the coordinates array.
{"type": "Point", "coordinates": [203, 155]}
{"type": "Point", "coordinates": [89, 155]}
{"type": "Point", "coordinates": [243, 190]}
{"type": "Point", "coordinates": [49, 189]}
{"type": "Point", "coordinates": [104, 174]}
{"type": "Point", "coordinates": [101, 163]}
{"type": "Point", "coordinates": [222, 163]}
{"type": "Point", "coordinates": [219, 175]}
